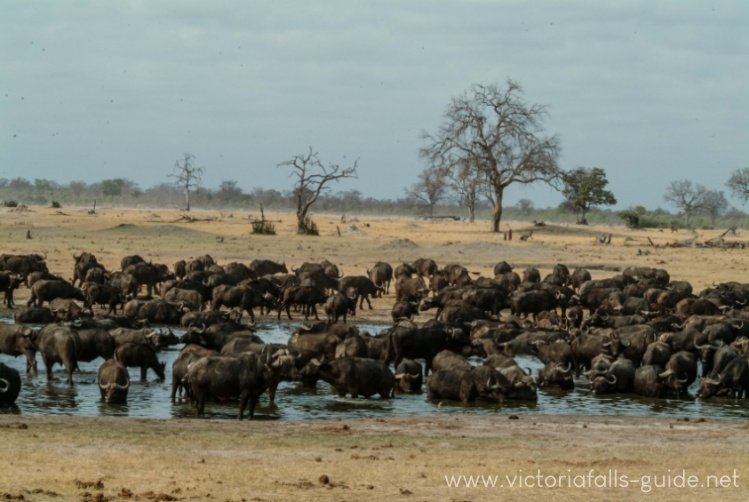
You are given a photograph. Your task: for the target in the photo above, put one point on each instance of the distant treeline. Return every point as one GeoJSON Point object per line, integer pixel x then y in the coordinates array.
{"type": "Point", "coordinates": [120, 192]}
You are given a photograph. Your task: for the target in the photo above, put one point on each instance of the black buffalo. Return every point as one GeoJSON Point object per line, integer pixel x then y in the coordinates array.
{"type": "Point", "coordinates": [114, 382]}
{"type": "Point", "coordinates": [354, 375]}
{"type": "Point", "coordinates": [10, 385]}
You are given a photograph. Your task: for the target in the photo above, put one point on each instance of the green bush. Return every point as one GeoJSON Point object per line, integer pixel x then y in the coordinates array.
{"type": "Point", "coordinates": [55, 204]}
{"type": "Point", "coordinates": [10, 203]}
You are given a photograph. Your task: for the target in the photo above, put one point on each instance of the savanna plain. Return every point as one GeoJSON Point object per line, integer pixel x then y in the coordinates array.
{"type": "Point", "coordinates": [411, 458]}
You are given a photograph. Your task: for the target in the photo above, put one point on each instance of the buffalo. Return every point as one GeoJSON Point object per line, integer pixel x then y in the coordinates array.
{"type": "Point", "coordinates": [58, 344]}
{"type": "Point", "coordinates": [354, 375]}
{"type": "Point", "coordinates": [245, 377]}
{"type": "Point", "coordinates": [10, 385]}
{"type": "Point", "coordinates": [114, 382]}
{"type": "Point", "coordinates": [466, 384]}
{"type": "Point", "coordinates": [140, 355]}
{"type": "Point", "coordinates": [381, 274]}
{"type": "Point", "coordinates": [48, 290]}
{"type": "Point", "coordinates": [408, 377]}
{"type": "Point", "coordinates": [18, 340]}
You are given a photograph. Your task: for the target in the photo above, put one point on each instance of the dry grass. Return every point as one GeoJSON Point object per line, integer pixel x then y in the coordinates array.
{"type": "Point", "coordinates": [164, 236]}
{"type": "Point", "coordinates": [66, 458]}
{"type": "Point", "coordinates": [402, 459]}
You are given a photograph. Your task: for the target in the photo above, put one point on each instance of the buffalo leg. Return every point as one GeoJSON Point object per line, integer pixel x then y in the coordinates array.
{"type": "Point", "coordinates": [31, 363]}
{"type": "Point", "coordinates": [361, 304]}
{"type": "Point", "coordinates": [48, 365]}
{"type": "Point", "coordinates": [143, 373]}
{"type": "Point", "coordinates": [272, 394]}
{"type": "Point", "coordinates": [243, 399]}
{"type": "Point", "coordinates": [69, 368]}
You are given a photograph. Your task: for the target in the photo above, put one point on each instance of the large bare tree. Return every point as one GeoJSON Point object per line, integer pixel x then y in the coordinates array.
{"type": "Point", "coordinates": [494, 131]}
{"type": "Point", "coordinates": [187, 176]}
{"type": "Point", "coordinates": [311, 178]}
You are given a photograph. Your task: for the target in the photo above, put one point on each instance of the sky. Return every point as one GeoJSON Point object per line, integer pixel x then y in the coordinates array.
{"type": "Point", "coordinates": [650, 91]}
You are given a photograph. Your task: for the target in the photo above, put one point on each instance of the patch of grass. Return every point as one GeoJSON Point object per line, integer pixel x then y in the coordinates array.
{"type": "Point", "coordinates": [263, 227]}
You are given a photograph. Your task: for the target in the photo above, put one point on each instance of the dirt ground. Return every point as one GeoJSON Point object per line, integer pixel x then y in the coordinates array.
{"type": "Point", "coordinates": [70, 458]}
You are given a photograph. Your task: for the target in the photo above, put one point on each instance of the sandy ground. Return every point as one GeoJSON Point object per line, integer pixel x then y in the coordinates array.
{"type": "Point", "coordinates": [571, 458]}
{"type": "Point", "coordinates": [66, 458]}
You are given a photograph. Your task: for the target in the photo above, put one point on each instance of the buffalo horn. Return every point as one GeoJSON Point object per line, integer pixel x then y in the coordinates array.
{"type": "Point", "coordinates": [489, 385]}
{"type": "Point", "coordinates": [528, 371]}
{"type": "Point", "coordinates": [611, 379]}
{"type": "Point", "coordinates": [666, 373]}
{"type": "Point", "coordinates": [703, 346]}
{"type": "Point", "coordinates": [565, 370]}
{"type": "Point", "coordinates": [120, 386]}
{"type": "Point", "coordinates": [399, 376]}
{"type": "Point", "coordinates": [4, 385]}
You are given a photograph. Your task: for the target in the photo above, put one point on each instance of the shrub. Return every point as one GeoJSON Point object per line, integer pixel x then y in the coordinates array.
{"type": "Point", "coordinates": [308, 227]}
{"type": "Point", "coordinates": [10, 203]}
{"type": "Point", "coordinates": [263, 227]}
{"type": "Point", "coordinates": [55, 204]}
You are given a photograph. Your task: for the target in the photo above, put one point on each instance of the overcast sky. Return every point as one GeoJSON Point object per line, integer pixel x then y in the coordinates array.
{"type": "Point", "coordinates": [650, 91]}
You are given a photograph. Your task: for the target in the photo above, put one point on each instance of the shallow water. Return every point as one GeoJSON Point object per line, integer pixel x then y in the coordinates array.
{"type": "Point", "coordinates": [151, 399]}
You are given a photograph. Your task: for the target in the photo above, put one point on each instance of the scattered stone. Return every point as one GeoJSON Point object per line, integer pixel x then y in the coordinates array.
{"type": "Point", "coordinates": [513, 417]}
{"type": "Point", "coordinates": [324, 479]}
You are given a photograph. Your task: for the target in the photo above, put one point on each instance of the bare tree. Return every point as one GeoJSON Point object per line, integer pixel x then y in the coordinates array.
{"type": "Point", "coordinates": [739, 184]}
{"type": "Point", "coordinates": [687, 198]}
{"type": "Point", "coordinates": [311, 178]}
{"type": "Point", "coordinates": [430, 188]}
{"type": "Point", "coordinates": [467, 183]}
{"type": "Point", "coordinates": [714, 204]}
{"type": "Point", "coordinates": [187, 176]}
{"type": "Point", "coordinates": [494, 131]}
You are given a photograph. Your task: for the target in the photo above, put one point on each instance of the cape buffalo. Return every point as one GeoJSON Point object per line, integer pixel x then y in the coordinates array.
{"type": "Point", "coordinates": [141, 356]}
{"type": "Point", "coordinates": [114, 382]}
{"type": "Point", "coordinates": [466, 384]}
{"type": "Point", "coordinates": [46, 291]}
{"type": "Point", "coordinates": [58, 344]}
{"type": "Point", "coordinates": [408, 377]}
{"type": "Point", "coordinates": [355, 376]}
{"type": "Point", "coordinates": [245, 377]}
{"type": "Point", "coordinates": [10, 385]}
{"type": "Point", "coordinates": [16, 340]}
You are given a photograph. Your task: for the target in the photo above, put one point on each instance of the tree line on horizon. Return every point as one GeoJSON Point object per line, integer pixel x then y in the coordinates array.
{"type": "Point", "coordinates": [489, 139]}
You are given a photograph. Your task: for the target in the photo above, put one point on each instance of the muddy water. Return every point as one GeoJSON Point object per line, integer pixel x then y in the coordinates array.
{"type": "Point", "coordinates": [151, 399]}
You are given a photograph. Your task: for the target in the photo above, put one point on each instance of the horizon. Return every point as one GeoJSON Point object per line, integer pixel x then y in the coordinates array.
{"type": "Point", "coordinates": [651, 93]}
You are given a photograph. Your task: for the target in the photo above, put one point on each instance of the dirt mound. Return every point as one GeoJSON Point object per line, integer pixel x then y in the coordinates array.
{"type": "Point", "coordinates": [158, 230]}
{"type": "Point", "coordinates": [400, 244]}
{"type": "Point", "coordinates": [571, 230]}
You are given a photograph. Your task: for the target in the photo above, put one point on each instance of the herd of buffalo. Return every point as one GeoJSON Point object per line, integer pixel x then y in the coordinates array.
{"type": "Point", "coordinates": [636, 332]}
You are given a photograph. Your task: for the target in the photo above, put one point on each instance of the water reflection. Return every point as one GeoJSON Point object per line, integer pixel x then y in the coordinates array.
{"type": "Point", "coordinates": [151, 399]}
